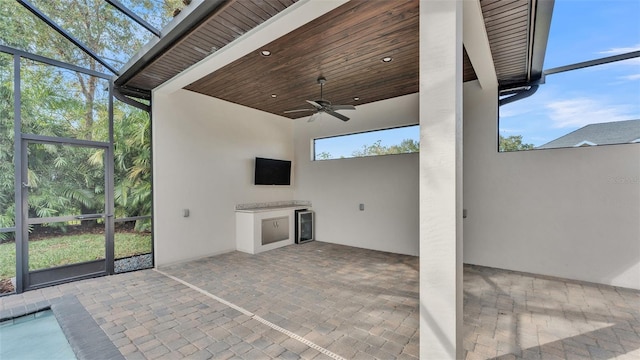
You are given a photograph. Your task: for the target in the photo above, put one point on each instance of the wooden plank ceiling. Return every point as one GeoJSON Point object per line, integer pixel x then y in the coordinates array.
{"type": "Point", "coordinates": [345, 46]}
{"type": "Point", "coordinates": [230, 21]}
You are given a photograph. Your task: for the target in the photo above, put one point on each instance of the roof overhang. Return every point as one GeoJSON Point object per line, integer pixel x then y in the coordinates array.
{"type": "Point", "coordinates": [516, 32]}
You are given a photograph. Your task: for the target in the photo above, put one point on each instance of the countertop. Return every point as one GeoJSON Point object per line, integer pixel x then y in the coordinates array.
{"type": "Point", "coordinates": [272, 208]}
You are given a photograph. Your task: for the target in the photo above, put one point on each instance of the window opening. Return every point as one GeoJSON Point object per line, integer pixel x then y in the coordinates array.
{"type": "Point", "coordinates": [578, 106]}
{"type": "Point", "coordinates": [600, 104]}
{"type": "Point", "coordinates": [400, 140]}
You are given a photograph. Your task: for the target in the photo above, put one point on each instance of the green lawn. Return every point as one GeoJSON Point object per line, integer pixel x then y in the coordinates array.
{"type": "Point", "coordinates": [62, 250]}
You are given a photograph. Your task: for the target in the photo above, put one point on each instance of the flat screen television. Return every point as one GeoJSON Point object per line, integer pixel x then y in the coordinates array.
{"type": "Point", "coordinates": [272, 172]}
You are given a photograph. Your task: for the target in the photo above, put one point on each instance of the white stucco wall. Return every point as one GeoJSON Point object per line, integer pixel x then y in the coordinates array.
{"type": "Point", "coordinates": [203, 153]}
{"type": "Point", "coordinates": [572, 213]}
{"type": "Point", "coordinates": [386, 185]}
{"type": "Point", "coordinates": [565, 212]}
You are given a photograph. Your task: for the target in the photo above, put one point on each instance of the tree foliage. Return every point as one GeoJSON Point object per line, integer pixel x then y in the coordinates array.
{"type": "Point", "coordinates": [7, 204]}
{"type": "Point", "coordinates": [512, 143]}
{"type": "Point", "coordinates": [325, 155]}
{"type": "Point", "coordinates": [63, 103]}
{"type": "Point", "coordinates": [405, 146]}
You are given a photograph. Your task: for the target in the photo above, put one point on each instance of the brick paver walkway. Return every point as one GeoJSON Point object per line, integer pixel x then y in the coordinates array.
{"type": "Point", "coordinates": [511, 315]}
{"type": "Point", "coordinates": [319, 300]}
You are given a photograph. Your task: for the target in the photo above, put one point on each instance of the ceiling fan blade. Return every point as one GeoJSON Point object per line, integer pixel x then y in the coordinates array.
{"type": "Point", "coordinates": [339, 116]}
{"type": "Point", "coordinates": [298, 110]}
{"type": "Point", "coordinates": [343, 107]}
{"type": "Point", "coordinates": [315, 104]}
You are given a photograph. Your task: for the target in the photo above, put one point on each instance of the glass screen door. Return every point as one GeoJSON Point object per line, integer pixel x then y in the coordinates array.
{"type": "Point", "coordinates": [71, 243]}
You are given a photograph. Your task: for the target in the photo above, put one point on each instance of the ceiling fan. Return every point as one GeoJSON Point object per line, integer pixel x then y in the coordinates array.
{"type": "Point", "coordinates": [324, 106]}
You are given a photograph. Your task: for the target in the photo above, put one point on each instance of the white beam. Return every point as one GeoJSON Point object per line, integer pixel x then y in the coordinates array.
{"type": "Point", "coordinates": [476, 42]}
{"type": "Point", "coordinates": [441, 179]}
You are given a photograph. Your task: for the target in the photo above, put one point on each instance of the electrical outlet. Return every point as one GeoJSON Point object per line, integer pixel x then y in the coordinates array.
{"type": "Point", "coordinates": [185, 212]}
{"type": "Point", "coordinates": [361, 207]}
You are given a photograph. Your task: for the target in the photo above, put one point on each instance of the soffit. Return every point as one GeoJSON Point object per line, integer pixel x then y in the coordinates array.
{"type": "Point", "coordinates": [344, 45]}
{"type": "Point", "coordinates": [507, 23]}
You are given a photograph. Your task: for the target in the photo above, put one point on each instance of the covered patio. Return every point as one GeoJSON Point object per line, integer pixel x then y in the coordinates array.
{"type": "Point", "coordinates": [461, 248]}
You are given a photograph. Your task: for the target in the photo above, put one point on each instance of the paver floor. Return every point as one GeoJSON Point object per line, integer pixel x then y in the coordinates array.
{"type": "Point", "coordinates": [512, 315]}
{"type": "Point", "coordinates": [322, 301]}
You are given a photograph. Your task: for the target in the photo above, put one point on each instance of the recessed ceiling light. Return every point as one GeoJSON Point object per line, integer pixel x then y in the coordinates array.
{"type": "Point", "coordinates": [356, 98]}
{"type": "Point", "coordinates": [202, 51]}
{"type": "Point", "coordinates": [387, 59]}
{"type": "Point", "coordinates": [274, 95]}
{"type": "Point", "coordinates": [265, 53]}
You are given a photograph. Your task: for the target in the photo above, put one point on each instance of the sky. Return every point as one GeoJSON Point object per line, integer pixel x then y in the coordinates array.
{"type": "Point", "coordinates": [582, 30]}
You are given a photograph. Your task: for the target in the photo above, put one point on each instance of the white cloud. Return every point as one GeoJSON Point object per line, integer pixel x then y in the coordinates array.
{"type": "Point", "coordinates": [631, 77]}
{"type": "Point", "coordinates": [621, 50]}
{"type": "Point", "coordinates": [519, 108]}
{"type": "Point", "coordinates": [579, 112]}
{"type": "Point", "coordinates": [510, 113]}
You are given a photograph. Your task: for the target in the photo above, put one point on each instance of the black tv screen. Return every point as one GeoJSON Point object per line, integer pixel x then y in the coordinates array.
{"type": "Point", "coordinates": [272, 172]}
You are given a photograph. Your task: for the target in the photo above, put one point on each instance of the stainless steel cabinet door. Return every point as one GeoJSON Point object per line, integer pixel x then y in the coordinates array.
{"type": "Point", "coordinates": [275, 229]}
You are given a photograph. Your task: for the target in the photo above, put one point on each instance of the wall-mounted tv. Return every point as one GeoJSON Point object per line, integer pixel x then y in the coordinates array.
{"type": "Point", "coordinates": [272, 172]}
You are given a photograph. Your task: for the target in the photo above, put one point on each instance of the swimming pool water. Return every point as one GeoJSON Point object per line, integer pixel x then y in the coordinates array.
{"type": "Point", "coordinates": [36, 336]}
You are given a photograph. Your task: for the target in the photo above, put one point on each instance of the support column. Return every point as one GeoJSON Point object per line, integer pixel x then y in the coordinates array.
{"type": "Point", "coordinates": [441, 179]}
{"type": "Point", "coordinates": [20, 213]}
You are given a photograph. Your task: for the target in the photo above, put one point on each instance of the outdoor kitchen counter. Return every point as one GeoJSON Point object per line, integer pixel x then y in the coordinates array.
{"type": "Point", "coordinates": [271, 206]}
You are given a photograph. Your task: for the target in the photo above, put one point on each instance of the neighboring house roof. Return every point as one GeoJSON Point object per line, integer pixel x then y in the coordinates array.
{"type": "Point", "coordinates": [616, 132]}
